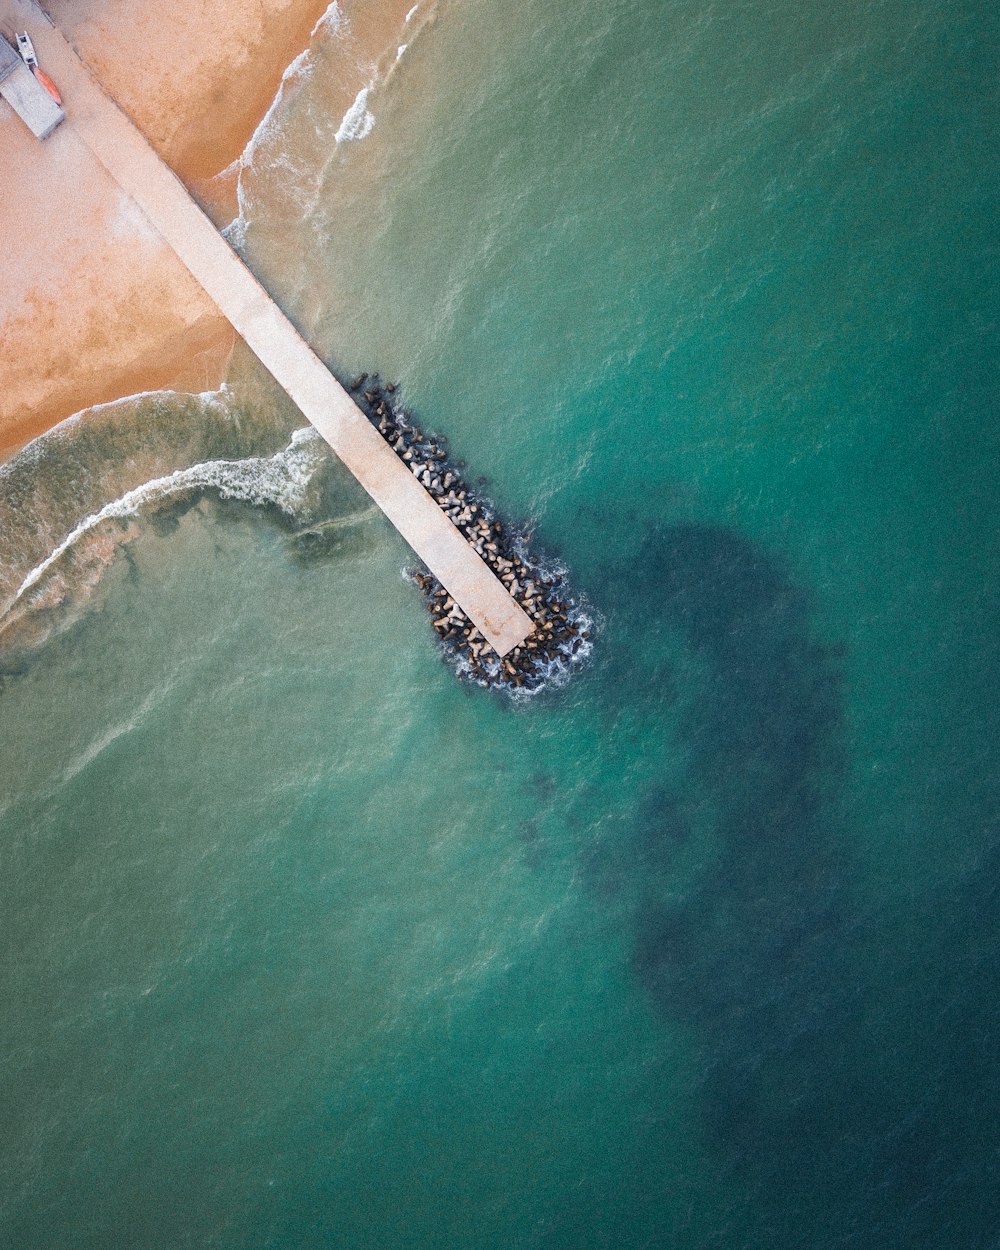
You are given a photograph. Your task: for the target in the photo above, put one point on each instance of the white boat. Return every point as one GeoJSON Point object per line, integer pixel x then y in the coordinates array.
{"type": "Point", "coordinates": [27, 50]}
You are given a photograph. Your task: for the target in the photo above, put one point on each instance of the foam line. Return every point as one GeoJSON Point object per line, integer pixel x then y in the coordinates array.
{"type": "Point", "coordinates": [358, 120]}
{"type": "Point", "coordinates": [280, 480]}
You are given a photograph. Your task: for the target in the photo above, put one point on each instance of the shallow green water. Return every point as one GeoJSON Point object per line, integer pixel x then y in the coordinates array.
{"type": "Point", "coordinates": [308, 945]}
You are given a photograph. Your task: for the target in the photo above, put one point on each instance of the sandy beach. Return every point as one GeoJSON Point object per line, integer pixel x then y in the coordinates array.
{"type": "Point", "coordinates": [94, 305]}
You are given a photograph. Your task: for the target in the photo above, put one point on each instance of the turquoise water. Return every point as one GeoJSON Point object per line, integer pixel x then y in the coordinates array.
{"type": "Point", "coordinates": [306, 944]}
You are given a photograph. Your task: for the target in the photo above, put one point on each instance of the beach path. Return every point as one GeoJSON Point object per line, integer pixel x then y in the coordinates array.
{"type": "Point", "coordinates": [96, 122]}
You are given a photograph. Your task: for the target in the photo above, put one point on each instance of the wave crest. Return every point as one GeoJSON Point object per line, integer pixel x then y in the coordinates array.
{"type": "Point", "coordinates": [358, 120]}
{"type": "Point", "coordinates": [280, 480]}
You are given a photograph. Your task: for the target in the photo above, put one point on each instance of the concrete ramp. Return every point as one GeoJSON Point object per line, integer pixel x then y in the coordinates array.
{"type": "Point", "coordinates": [96, 121]}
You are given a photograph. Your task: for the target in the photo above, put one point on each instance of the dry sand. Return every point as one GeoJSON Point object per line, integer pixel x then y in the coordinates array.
{"type": "Point", "coordinates": [195, 76]}
{"type": "Point", "coordinates": [93, 305]}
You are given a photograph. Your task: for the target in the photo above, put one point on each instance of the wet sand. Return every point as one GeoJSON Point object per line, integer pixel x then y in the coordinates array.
{"type": "Point", "coordinates": [93, 305]}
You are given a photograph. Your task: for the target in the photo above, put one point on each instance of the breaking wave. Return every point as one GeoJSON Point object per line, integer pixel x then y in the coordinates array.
{"type": "Point", "coordinates": [280, 480]}
{"type": "Point", "coordinates": [53, 591]}
{"type": "Point", "coordinates": [266, 137]}
{"type": "Point", "coordinates": [288, 158]}
{"type": "Point", "coordinates": [358, 120]}
{"type": "Point", "coordinates": [332, 23]}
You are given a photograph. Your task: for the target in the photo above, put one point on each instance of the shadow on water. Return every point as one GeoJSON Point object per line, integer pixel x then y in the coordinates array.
{"type": "Point", "coordinates": [847, 1069]}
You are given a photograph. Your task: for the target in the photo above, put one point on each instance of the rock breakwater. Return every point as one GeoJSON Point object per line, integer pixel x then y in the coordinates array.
{"type": "Point", "coordinates": [562, 637]}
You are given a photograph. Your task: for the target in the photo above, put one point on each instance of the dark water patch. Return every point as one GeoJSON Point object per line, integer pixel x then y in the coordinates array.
{"type": "Point", "coordinates": [335, 538]}
{"type": "Point", "coordinates": [543, 786]}
{"type": "Point", "coordinates": [165, 519]}
{"type": "Point", "coordinates": [533, 847]}
{"type": "Point", "coordinates": [664, 820]}
{"type": "Point", "coordinates": [850, 1056]}
{"type": "Point", "coordinates": [753, 951]}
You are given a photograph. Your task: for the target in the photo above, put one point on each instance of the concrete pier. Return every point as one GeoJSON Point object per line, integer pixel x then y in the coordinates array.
{"type": "Point", "coordinates": [93, 119]}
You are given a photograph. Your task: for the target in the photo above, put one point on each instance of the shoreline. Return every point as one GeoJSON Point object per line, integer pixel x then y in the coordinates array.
{"type": "Point", "coordinates": [95, 306]}
{"type": "Point", "coordinates": [197, 86]}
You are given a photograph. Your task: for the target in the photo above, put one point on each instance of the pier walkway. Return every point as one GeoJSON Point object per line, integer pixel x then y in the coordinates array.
{"type": "Point", "coordinates": [95, 120]}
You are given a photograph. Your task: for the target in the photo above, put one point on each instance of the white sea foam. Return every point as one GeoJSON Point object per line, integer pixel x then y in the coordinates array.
{"type": "Point", "coordinates": [281, 480]}
{"type": "Point", "coordinates": [31, 451]}
{"type": "Point", "coordinates": [333, 22]}
{"type": "Point", "coordinates": [358, 120]}
{"type": "Point", "coordinates": [101, 743]}
{"type": "Point", "coordinates": [302, 177]}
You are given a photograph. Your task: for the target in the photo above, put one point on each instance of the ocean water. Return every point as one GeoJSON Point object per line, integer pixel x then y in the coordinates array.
{"type": "Point", "coordinates": [305, 944]}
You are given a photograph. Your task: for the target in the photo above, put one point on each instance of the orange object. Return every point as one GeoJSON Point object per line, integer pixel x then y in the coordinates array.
{"type": "Point", "coordinates": [48, 84]}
